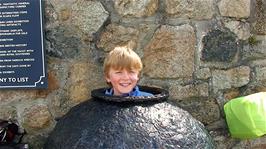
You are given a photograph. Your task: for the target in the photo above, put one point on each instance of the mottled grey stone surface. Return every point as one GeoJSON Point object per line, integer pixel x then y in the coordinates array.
{"type": "Point", "coordinates": [238, 9]}
{"type": "Point", "coordinates": [235, 77]}
{"type": "Point", "coordinates": [171, 48]}
{"type": "Point", "coordinates": [97, 124]}
{"type": "Point", "coordinates": [136, 8]}
{"type": "Point", "coordinates": [196, 9]}
{"type": "Point", "coordinates": [219, 45]}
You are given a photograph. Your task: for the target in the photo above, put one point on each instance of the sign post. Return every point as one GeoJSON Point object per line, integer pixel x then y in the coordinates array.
{"type": "Point", "coordinates": [22, 61]}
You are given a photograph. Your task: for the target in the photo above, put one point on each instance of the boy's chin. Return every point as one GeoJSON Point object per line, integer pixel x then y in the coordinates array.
{"type": "Point", "coordinates": [125, 92]}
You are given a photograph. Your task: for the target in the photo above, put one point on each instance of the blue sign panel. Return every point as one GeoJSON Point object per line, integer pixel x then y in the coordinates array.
{"type": "Point", "coordinates": [22, 62]}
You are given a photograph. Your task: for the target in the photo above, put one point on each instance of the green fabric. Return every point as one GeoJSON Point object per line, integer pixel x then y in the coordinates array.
{"type": "Point", "coordinates": [246, 116]}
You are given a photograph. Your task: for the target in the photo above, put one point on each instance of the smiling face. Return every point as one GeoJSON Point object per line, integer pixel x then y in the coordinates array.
{"type": "Point", "coordinates": [122, 67]}
{"type": "Point", "coordinates": [123, 81]}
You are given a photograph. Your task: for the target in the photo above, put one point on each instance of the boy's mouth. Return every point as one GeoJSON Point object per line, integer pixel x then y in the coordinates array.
{"type": "Point", "coordinates": [125, 84]}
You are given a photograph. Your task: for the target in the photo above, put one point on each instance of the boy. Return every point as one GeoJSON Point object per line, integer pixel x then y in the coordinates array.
{"type": "Point", "coordinates": [122, 68]}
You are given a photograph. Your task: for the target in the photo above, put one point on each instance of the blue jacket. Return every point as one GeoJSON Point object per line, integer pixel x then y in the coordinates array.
{"type": "Point", "coordinates": [134, 92]}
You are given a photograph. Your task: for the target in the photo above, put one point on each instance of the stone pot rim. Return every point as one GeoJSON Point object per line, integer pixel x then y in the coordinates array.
{"type": "Point", "coordinates": [159, 95]}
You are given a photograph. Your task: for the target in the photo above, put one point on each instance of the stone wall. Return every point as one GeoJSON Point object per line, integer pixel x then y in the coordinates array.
{"type": "Point", "coordinates": [205, 52]}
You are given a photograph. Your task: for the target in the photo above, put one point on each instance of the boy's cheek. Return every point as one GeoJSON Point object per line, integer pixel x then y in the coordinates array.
{"type": "Point", "coordinates": [135, 77]}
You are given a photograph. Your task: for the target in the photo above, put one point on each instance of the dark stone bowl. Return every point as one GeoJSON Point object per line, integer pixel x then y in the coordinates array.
{"type": "Point", "coordinates": [132, 123]}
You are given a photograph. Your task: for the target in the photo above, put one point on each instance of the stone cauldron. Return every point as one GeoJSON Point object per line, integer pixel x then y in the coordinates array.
{"type": "Point", "coordinates": [106, 122]}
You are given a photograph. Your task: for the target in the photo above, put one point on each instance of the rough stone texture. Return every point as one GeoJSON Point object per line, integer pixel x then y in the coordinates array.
{"type": "Point", "coordinates": [231, 94]}
{"type": "Point", "coordinates": [192, 90]}
{"type": "Point", "coordinates": [50, 15]}
{"type": "Point", "coordinates": [8, 112]}
{"type": "Point", "coordinates": [59, 71]}
{"type": "Point", "coordinates": [88, 16]}
{"type": "Point", "coordinates": [203, 73]}
{"type": "Point", "coordinates": [53, 83]}
{"type": "Point", "coordinates": [59, 101]}
{"type": "Point", "coordinates": [83, 76]}
{"type": "Point", "coordinates": [242, 30]}
{"type": "Point", "coordinates": [255, 88]}
{"type": "Point", "coordinates": [260, 74]}
{"type": "Point", "coordinates": [260, 15]}
{"type": "Point", "coordinates": [65, 14]}
{"type": "Point", "coordinates": [37, 141]}
{"type": "Point", "coordinates": [258, 62]}
{"type": "Point", "coordinates": [136, 8]}
{"type": "Point", "coordinates": [61, 4]}
{"type": "Point", "coordinates": [205, 110]}
{"type": "Point", "coordinates": [237, 8]}
{"type": "Point", "coordinates": [171, 48]}
{"type": "Point", "coordinates": [78, 76]}
{"type": "Point", "coordinates": [63, 43]}
{"type": "Point", "coordinates": [196, 9]}
{"type": "Point", "coordinates": [219, 46]}
{"type": "Point", "coordinates": [223, 140]}
{"type": "Point", "coordinates": [96, 124]}
{"type": "Point", "coordinates": [219, 124]}
{"type": "Point", "coordinates": [254, 144]}
{"type": "Point", "coordinates": [117, 35]}
{"type": "Point", "coordinates": [36, 117]}
{"type": "Point", "coordinates": [254, 51]}
{"type": "Point", "coordinates": [235, 77]}
{"type": "Point", "coordinates": [9, 96]}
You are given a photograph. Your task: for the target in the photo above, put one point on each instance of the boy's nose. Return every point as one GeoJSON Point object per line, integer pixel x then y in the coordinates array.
{"type": "Point", "coordinates": [125, 75]}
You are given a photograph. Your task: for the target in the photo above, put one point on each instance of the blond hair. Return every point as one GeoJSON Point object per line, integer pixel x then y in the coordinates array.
{"type": "Point", "coordinates": [122, 58]}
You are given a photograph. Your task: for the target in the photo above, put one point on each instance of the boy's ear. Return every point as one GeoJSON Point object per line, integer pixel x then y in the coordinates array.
{"type": "Point", "coordinates": [107, 79]}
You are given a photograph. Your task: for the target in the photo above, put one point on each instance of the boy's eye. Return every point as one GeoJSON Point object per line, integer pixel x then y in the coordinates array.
{"type": "Point", "coordinates": [118, 72]}
{"type": "Point", "coordinates": [133, 71]}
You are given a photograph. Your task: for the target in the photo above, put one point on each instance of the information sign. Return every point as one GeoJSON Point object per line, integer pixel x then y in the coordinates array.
{"type": "Point", "coordinates": [22, 61]}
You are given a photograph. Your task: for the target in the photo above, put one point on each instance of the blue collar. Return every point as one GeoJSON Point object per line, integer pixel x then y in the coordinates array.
{"type": "Point", "coordinates": [134, 92]}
